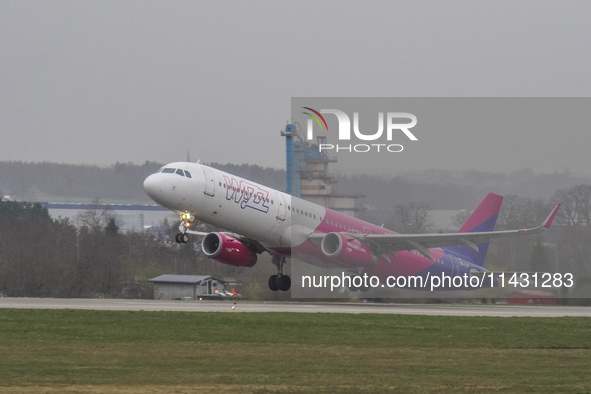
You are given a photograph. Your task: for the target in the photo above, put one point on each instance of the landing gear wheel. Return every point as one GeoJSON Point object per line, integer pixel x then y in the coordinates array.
{"type": "Point", "coordinates": [273, 285]}
{"type": "Point", "coordinates": [279, 282]}
{"type": "Point", "coordinates": [181, 238]}
{"type": "Point", "coordinates": [353, 287]}
{"type": "Point", "coordinates": [284, 282]}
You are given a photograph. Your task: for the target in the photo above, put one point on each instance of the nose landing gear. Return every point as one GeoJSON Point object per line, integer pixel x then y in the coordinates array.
{"type": "Point", "coordinates": [279, 281]}
{"type": "Point", "coordinates": [182, 238]}
{"type": "Point", "coordinates": [186, 220]}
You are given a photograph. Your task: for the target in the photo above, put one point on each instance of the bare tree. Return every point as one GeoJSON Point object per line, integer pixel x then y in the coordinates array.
{"type": "Point", "coordinates": [412, 217]}
{"type": "Point", "coordinates": [460, 218]}
{"type": "Point", "coordinates": [575, 216]}
{"type": "Point", "coordinates": [96, 218]}
{"type": "Point", "coordinates": [575, 205]}
{"type": "Point", "coordinates": [519, 212]}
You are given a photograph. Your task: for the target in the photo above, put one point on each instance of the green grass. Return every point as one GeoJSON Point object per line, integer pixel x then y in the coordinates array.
{"type": "Point", "coordinates": [83, 351]}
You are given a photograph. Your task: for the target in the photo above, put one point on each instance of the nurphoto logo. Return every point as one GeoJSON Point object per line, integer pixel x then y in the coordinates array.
{"type": "Point", "coordinates": [394, 128]}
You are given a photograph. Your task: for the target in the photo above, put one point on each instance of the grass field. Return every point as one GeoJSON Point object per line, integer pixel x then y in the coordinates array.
{"type": "Point", "coordinates": [139, 352]}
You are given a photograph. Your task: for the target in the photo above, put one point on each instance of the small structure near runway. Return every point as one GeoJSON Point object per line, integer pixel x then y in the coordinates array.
{"type": "Point", "coordinates": [189, 287]}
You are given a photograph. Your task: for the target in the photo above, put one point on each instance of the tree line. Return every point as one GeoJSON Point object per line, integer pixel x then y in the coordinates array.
{"type": "Point", "coordinates": [45, 257]}
{"type": "Point", "coordinates": [566, 247]}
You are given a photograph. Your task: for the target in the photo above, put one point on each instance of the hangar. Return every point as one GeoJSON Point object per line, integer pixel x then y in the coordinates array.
{"type": "Point", "coordinates": [188, 287]}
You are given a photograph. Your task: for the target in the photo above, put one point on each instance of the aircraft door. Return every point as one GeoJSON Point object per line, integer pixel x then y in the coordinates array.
{"type": "Point", "coordinates": [209, 181]}
{"type": "Point", "coordinates": [281, 207]}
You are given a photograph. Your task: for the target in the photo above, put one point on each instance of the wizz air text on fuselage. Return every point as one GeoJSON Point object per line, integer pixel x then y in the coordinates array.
{"type": "Point", "coordinates": [248, 195]}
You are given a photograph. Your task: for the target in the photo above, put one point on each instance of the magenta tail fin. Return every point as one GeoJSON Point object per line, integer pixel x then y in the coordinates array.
{"type": "Point", "coordinates": [483, 218]}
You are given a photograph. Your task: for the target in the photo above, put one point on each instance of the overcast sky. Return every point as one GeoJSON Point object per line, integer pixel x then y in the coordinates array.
{"type": "Point", "coordinates": [105, 81]}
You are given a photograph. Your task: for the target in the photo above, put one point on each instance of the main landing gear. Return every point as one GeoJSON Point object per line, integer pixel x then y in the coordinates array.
{"type": "Point", "coordinates": [279, 281]}
{"type": "Point", "coordinates": [361, 288]}
{"type": "Point", "coordinates": [186, 220]}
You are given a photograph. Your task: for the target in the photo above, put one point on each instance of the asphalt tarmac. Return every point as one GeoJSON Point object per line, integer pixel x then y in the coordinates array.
{"type": "Point", "coordinates": [307, 307]}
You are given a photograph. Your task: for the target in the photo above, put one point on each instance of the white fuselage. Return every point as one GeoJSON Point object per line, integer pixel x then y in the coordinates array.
{"type": "Point", "coordinates": [236, 204]}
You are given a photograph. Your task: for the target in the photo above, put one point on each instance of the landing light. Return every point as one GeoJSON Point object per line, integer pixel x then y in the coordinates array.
{"type": "Point", "coordinates": [187, 218]}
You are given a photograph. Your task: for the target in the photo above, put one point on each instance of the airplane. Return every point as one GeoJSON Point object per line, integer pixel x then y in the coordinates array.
{"type": "Point", "coordinates": [260, 219]}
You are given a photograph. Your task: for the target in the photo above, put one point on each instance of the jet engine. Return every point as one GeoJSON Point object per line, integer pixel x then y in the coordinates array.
{"type": "Point", "coordinates": [228, 250]}
{"type": "Point", "coordinates": [347, 250]}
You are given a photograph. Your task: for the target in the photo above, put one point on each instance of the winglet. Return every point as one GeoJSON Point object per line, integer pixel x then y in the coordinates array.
{"type": "Point", "coordinates": [548, 222]}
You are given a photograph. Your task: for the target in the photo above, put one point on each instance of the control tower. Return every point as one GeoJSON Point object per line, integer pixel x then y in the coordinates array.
{"type": "Point", "coordinates": [307, 172]}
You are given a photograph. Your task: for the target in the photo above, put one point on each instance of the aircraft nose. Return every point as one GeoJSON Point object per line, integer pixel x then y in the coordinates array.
{"type": "Point", "coordinates": [152, 187]}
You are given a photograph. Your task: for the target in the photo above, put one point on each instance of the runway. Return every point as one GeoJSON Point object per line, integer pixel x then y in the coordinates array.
{"type": "Point", "coordinates": [305, 307]}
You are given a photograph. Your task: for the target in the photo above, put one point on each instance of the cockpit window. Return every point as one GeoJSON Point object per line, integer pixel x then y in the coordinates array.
{"type": "Point", "coordinates": [177, 171]}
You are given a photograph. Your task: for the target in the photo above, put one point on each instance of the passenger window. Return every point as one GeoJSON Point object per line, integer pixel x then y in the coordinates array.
{"type": "Point", "coordinates": [188, 174]}
{"type": "Point", "coordinates": [168, 170]}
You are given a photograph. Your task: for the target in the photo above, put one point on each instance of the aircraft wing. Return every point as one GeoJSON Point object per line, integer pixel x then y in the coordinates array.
{"type": "Point", "coordinates": [392, 243]}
